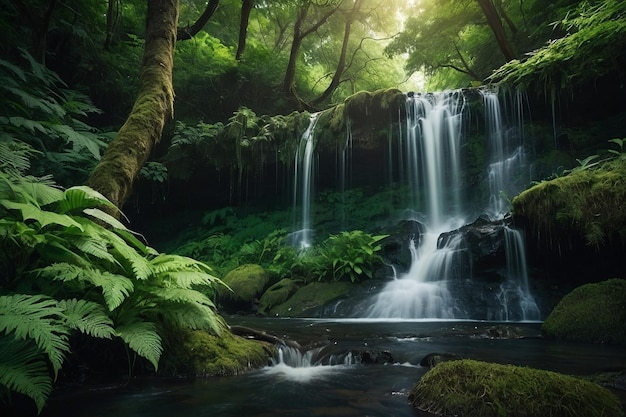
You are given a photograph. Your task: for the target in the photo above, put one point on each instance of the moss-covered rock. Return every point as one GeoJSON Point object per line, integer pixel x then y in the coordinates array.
{"type": "Point", "coordinates": [593, 313]}
{"type": "Point", "coordinates": [311, 296]}
{"type": "Point", "coordinates": [471, 388]}
{"type": "Point", "coordinates": [277, 294]}
{"type": "Point", "coordinates": [247, 283]}
{"type": "Point", "coordinates": [196, 353]}
{"type": "Point", "coordinates": [587, 203]}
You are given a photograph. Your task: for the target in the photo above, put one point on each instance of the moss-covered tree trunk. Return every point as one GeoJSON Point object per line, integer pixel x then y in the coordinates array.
{"type": "Point", "coordinates": [115, 173]}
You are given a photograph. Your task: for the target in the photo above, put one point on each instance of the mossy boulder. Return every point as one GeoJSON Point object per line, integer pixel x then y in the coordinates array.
{"type": "Point", "coordinates": [311, 297]}
{"type": "Point", "coordinates": [197, 353]}
{"type": "Point", "coordinates": [594, 313]}
{"type": "Point", "coordinates": [247, 283]}
{"type": "Point", "coordinates": [277, 294]}
{"type": "Point", "coordinates": [586, 204]}
{"type": "Point", "coordinates": [467, 388]}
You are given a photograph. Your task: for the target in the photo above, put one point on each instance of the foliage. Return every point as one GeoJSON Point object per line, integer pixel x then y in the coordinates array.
{"type": "Point", "coordinates": [481, 389]}
{"type": "Point", "coordinates": [69, 267]}
{"type": "Point", "coordinates": [592, 47]}
{"type": "Point", "coordinates": [592, 313]}
{"type": "Point", "coordinates": [39, 110]}
{"type": "Point", "coordinates": [350, 255]}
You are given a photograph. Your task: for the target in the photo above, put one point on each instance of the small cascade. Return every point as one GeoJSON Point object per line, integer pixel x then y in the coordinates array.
{"type": "Point", "coordinates": [515, 297]}
{"type": "Point", "coordinates": [300, 366]}
{"type": "Point", "coordinates": [422, 292]}
{"type": "Point", "coordinates": [303, 188]}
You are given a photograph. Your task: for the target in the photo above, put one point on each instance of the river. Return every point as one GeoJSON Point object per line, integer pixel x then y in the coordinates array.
{"type": "Point", "coordinates": [340, 389]}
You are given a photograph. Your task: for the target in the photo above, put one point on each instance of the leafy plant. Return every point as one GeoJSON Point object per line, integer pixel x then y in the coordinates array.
{"type": "Point", "coordinates": [351, 255]}
{"type": "Point", "coordinates": [620, 145]}
{"type": "Point", "coordinates": [40, 111]}
{"type": "Point", "coordinates": [69, 267]}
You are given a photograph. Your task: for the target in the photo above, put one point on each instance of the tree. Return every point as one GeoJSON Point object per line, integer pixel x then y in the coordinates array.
{"type": "Point", "coordinates": [494, 22]}
{"type": "Point", "coordinates": [189, 32]}
{"type": "Point", "coordinates": [301, 31]}
{"type": "Point", "coordinates": [246, 8]}
{"type": "Point", "coordinates": [124, 157]}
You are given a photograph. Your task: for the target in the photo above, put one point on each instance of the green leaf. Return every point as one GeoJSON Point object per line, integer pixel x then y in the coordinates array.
{"type": "Point", "coordinates": [37, 318]}
{"type": "Point", "coordinates": [88, 318]}
{"type": "Point", "coordinates": [81, 197]}
{"type": "Point", "coordinates": [143, 338]}
{"type": "Point", "coordinates": [45, 218]}
{"type": "Point", "coordinates": [23, 369]}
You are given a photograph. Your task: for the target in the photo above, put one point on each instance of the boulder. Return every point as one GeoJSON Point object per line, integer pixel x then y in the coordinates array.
{"type": "Point", "coordinates": [311, 297]}
{"type": "Point", "coordinates": [591, 313]}
{"type": "Point", "coordinates": [247, 283]}
{"type": "Point", "coordinates": [468, 388]}
{"type": "Point", "coordinates": [276, 295]}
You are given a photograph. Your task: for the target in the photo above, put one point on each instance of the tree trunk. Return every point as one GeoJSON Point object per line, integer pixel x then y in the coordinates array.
{"type": "Point", "coordinates": [115, 174]}
{"type": "Point", "coordinates": [246, 8]}
{"type": "Point", "coordinates": [341, 65]}
{"type": "Point", "coordinates": [493, 19]}
{"type": "Point", "coordinates": [183, 34]}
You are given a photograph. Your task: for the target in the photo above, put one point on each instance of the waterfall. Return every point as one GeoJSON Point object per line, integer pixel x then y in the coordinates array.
{"type": "Point", "coordinates": [432, 160]}
{"type": "Point", "coordinates": [302, 184]}
{"type": "Point", "coordinates": [507, 158]}
{"type": "Point", "coordinates": [517, 301]}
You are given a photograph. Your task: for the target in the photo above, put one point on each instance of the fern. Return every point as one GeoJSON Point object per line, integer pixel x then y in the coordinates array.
{"type": "Point", "coordinates": [88, 318]}
{"type": "Point", "coordinates": [143, 338]}
{"type": "Point", "coordinates": [38, 318]}
{"type": "Point", "coordinates": [23, 369]}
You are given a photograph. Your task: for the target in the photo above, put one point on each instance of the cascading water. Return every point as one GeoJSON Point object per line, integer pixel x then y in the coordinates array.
{"type": "Point", "coordinates": [507, 158]}
{"type": "Point", "coordinates": [302, 184]}
{"type": "Point", "coordinates": [517, 301]}
{"type": "Point", "coordinates": [507, 163]}
{"type": "Point", "coordinates": [305, 366]}
{"type": "Point", "coordinates": [432, 152]}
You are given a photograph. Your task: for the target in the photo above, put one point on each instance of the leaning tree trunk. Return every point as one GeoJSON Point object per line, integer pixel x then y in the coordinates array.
{"type": "Point", "coordinates": [115, 173]}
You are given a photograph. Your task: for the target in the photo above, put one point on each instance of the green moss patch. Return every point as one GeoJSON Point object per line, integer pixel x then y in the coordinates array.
{"type": "Point", "coordinates": [594, 313]}
{"type": "Point", "coordinates": [201, 354]}
{"type": "Point", "coordinates": [588, 202]}
{"type": "Point", "coordinates": [469, 388]}
{"type": "Point", "coordinates": [311, 296]}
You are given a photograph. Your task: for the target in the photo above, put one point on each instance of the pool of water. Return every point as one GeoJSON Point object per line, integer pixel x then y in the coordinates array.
{"type": "Point", "coordinates": [344, 388]}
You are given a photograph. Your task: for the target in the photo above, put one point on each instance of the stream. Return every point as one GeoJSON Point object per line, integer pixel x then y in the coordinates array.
{"type": "Point", "coordinates": [329, 381]}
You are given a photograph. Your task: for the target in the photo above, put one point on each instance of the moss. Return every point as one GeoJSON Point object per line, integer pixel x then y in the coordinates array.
{"type": "Point", "coordinates": [277, 294]}
{"type": "Point", "coordinates": [311, 296]}
{"type": "Point", "coordinates": [594, 313]}
{"type": "Point", "coordinates": [196, 353]}
{"type": "Point", "coordinates": [246, 281]}
{"type": "Point", "coordinates": [471, 388]}
{"type": "Point", "coordinates": [588, 202]}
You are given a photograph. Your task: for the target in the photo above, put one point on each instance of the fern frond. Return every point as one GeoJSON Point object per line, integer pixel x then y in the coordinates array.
{"type": "Point", "coordinates": [87, 317]}
{"type": "Point", "coordinates": [45, 218]}
{"type": "Point", "coordinates": [80, 197]}
{"type": "Point", "coordinates": [37, 318]}
{"type": "Point", "coordinates": [188, 279]}
{"type": "Point", "coordinates": [23, 369]}
{"type": "Point", "coordinates": [94, 247]}
{"type": "Point", "coordinates": [115, 288]}
{"type": "Point", "coordinates": [143, 338]}
{"type": "Point", "coordinates": [197, 317]}
{"type": "Point", "coordinates": [170, 263]}
{"type": "Point", "coordinates": [180, 295]}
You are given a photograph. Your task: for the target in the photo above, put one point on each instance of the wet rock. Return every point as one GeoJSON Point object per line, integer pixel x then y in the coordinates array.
{"type": "Point", "coordinates": [276, 295]}
{"type": "Point", "coordinates": [247, 283]}
{"type": "Point", "coordinates": [433, 359]}
{"type": "Point", "coordinates": [371, 357]}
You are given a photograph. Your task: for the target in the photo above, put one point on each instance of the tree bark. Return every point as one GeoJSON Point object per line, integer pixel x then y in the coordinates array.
{"type": "Point", "coordinates": [493, 19]}
{"type": "Point", "coordinates": [115, 174]}
{"type": "Point", "coordinates": [246, 8]}
{"type": "Point", "coordinates": [189, 32]}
